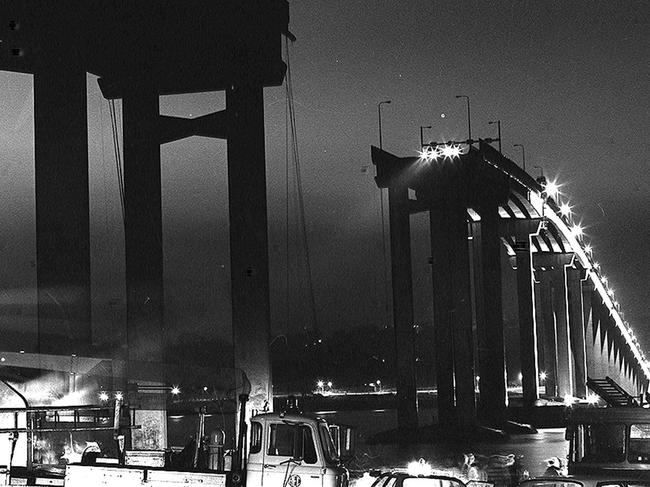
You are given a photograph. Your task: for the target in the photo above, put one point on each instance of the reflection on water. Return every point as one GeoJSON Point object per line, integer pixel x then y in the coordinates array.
{"type": "Point", "coordinates": [533, 449]}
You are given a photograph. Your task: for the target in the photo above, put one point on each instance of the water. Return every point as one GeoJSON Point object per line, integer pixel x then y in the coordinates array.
{"type": "Point", "coordinates": [532, 449]}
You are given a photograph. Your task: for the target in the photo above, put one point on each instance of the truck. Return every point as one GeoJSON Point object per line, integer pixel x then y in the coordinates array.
{"type": "Point", "coordinates": [609, 440]}
{"type": "Point", "coordinates": [278, 449]}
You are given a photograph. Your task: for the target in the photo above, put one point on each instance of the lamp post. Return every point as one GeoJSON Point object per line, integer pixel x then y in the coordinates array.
{"type": "Point", "coordinates": [422, 127]}
{"type": "Point", "coordinates": [379, 116]}
{"type": "Point", "coordinates": [469, 119]}
{"type": "Point", "coordinates": [523, 154]}
{"type": "Point", "coordinates": [498, 122]}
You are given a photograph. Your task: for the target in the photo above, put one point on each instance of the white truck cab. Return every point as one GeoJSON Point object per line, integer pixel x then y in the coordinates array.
{"type": "Point", "coordinates": [295, 450]}
{"type": "Point", "coordinates": [285, 450]}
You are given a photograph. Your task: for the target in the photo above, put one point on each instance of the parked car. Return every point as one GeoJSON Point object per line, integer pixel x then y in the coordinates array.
{"type": "Point", "coordinates": [603, 480]}
{"type": "Point", "coordinates": [404, 479]}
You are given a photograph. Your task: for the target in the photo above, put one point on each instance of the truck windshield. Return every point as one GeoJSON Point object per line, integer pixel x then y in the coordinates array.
{"type": "Point", "coordinates": [328, 445]}
{"type": "Point", "coordinates": [604, 443]}
{"type": "Point", "coordinates": [639, 449]}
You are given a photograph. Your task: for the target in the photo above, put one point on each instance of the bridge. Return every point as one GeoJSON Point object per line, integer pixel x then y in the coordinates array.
{"type": "Point", "coordinates": [488, 218]}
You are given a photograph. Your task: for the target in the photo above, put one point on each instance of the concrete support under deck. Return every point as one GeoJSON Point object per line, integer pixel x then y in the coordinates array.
{"type": "Point", "coordinates": [577, 330]}
{"type": "Point", "coordinates": [527, 325]}
{"type": "Point", "coordinates": [452, 313]}
{"type": "Point", "coordinates": [492, 362]}
{"type": "Point", "coordinates": [62, 213]}
{"type": "Point", "coordinates": [564, 358]}
{"type": "Point", "coordinates": [144, 255]}
{"type": "Point", "coordinates": [400, 251]}
{"type": "Point", "coordinates": [249, 260]}
{"type": "Point", "coordinates": [587, 317]}
{"type": "Point", "coordinates": [548, 332]}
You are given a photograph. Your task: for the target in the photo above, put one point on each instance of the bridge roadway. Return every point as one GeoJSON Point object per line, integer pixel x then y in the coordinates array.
{"type": "Point", "coordinates": [488, 218]}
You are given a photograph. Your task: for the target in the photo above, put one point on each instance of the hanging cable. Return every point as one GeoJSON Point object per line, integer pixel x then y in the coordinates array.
{"type": "Point", "coordinates": [291, 115]}
{"type": "Point", "coordinates": [118, 154]}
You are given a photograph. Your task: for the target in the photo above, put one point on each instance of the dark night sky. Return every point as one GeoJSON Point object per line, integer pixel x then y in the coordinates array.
{"type": "Point", "coordinates": [569, 80]}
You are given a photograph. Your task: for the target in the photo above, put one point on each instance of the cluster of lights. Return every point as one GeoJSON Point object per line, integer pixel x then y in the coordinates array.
{"type": "Point", "coordinates": [435, 152]}
{"type": "Point", "coordinates": [551, 189]}
{"type": "Point", "coordinates": [104, 396]}
{"type": "Point", "coordinates": [119, 396]}
{"type": "Point", "coordinates": [321, 384]}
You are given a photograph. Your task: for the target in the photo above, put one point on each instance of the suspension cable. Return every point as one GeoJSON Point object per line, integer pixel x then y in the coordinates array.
{"type": "Point", "coordinates": [291, 115]}
{"type": "Point", "coordinates": [118, 154]}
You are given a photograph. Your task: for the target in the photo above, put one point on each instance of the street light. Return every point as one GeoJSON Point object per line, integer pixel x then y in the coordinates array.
{"type": "Point", "coordinates": [379, 116]}
{"type": "Point", "coordinates": [523, 154]}
{"type": "Point", "coordinates": [469, 120]}
{"type": "Point", "coordinates": [421, 133]}
{"type": "Point", "coordinates": [498, 122]}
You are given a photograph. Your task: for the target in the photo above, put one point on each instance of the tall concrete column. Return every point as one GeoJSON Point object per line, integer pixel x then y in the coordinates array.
{"type": "Point", "coordinates": [251, 316]}
{"type": "Point", "coordinates": [548, 324]}
{"type": "Point", "coordinates": [564, 358]}
{"type": "Point", "coordinates": [400, 257]}
{"type": "Point", "coordinates": [144, 258]}
{"type": "Point", "coordinates": [588, 320]}
{"type": "Point", "coordinates": [577, 330]}
{"type": "Point", "coordinates": [443, 331]}
{"type": "Point", "coordinates": [527, 325]}
{"type": "Point", "coordinates": [492, 363]}
{"type": "Point", "coordinates": [62, 213]}
{"type": "Point", "coordinates": [452, 313]}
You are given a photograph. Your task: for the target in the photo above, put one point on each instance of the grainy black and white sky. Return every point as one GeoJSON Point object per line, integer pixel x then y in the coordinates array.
{"type": "Point", "coordinates": [567, 79]}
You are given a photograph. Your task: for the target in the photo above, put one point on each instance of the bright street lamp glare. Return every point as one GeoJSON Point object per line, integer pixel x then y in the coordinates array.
{"type": "Point", "coordinates": [588, 249]}
{"type": "Point", "coordinates": [103, 396]}
{"type": "Point", "coordinates": [551, 188]}
{"type": "Point", "coordinates": [542, 376]}
{"type": "Point", "coordinates": [565, 209]}
{"type": "Point", "coordinates": [175, 390]}
{"type": "Point", "coordinates": [429, 153]}
{"type": "Point", "coordinates": [576, 230]}
{"type": "Point", "coordinates": [119, 396]}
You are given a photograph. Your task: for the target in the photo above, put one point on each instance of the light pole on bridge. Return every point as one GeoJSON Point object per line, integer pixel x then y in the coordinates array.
{"type": "Point", "coordinates": [422, 127]}
{"type": "Point", "coordinates": [379, 117]}
{"type": "Point", "coordinates": [498, 122]}
{"type": "Point", "coordinates": [469, 119]}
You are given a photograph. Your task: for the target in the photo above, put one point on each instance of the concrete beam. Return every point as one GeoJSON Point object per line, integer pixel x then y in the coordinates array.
{"type": "Point", "coordinates": [402, 283]}
{"type": "Point", "coordinates": [251, 316]}
{"type": "Point", "coordinates": [62, 213]}
{"type": "Point", "coordinates": [527, 325]}
{"type": "Point", "coordinates": [492, 363]}
{"type": "Point", "coordinates": [144, 252]}
{"type": "Point", "coordinates": [452, 314]}
{"type": "Point", "coordinates": [549, 343]}
{"type": "Point", "coordinates": [555, 265]}
{"type": "Point", "coordinates": [575, 278]}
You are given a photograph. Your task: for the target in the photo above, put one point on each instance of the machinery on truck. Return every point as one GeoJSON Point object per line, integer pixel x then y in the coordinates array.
{"type": "Point", "coordinates": [279, 450]}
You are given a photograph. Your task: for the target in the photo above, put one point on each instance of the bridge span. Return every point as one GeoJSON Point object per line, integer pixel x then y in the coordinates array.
{"type": "Point", "coordinates": [488, 218]}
